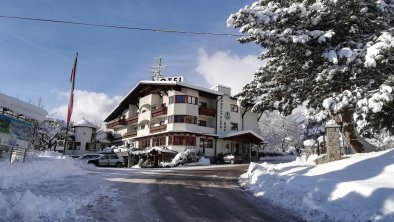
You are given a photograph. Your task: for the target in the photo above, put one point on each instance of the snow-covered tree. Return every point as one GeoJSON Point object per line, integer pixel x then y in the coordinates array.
{"type": "Point", "coordinates": [336, 55]}
{"type": "Point", "coordinates": [282, 132]}
{"type": "Point", "coordinates": [46, 133]}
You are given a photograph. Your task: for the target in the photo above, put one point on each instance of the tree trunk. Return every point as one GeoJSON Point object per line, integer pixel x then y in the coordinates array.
{"type": "Point", "coordinates": [358, 144]}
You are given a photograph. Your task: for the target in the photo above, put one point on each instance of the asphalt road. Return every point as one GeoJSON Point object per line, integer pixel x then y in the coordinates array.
{"type": "Point", "coordinates": [183, 194]}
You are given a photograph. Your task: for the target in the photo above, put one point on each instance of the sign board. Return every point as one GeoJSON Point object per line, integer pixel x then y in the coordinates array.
{"type": "Point", "coordinates": [14, 132]}
{"type": "Point", "coordinates": [174, 78]}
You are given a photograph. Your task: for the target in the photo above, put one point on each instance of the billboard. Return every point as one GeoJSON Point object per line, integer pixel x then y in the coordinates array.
{"type": "Point", "coordinates": [14, 132]}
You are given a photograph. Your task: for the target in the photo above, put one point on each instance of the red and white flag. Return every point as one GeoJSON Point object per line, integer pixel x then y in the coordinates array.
{"type": "Point", "coordinates": [72, 81]}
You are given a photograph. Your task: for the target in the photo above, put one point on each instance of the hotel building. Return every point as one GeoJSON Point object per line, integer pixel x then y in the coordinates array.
{"type": "Point", "coordinates": [178, 116]}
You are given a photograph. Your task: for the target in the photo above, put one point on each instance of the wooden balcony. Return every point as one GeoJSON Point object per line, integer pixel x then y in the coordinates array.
{"type": "Point", "coordinates": [130, 134]}
{"type": "Point", "coordinates": [204, 111]}
{"type": "Point", "coordinates": [114, 123]}
{"type": "Point", "coordinates": [158, 128]}
{"type": "Point", "coordinates": [132, 119]}
{"type": "Point", "coordinates": [159, 111]}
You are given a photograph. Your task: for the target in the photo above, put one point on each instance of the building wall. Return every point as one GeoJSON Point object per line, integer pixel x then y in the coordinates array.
{"type": "Point", "coordinates": [226, 116]}
{"type": "Point", "coordinates": [83, 135]}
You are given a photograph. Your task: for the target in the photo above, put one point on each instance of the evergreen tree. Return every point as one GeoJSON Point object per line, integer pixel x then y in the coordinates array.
{"type": "Point", "coordinates": [336, 55]}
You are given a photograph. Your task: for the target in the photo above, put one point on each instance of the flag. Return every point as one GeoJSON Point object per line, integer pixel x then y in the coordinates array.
{"type": "Point", "coordinates": [72, 81]}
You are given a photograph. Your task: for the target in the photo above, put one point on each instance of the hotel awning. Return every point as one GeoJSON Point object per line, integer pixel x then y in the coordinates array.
{"type": "Point", "coordinates": [245, 136]}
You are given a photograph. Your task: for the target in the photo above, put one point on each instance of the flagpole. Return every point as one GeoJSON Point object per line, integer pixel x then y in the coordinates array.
{"type": "Point", "coordinates": [71, 101]}
{"type": "Point", "coordinates": [66, 141]}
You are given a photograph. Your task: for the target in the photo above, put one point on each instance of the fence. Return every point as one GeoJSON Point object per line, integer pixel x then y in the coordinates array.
{"type": "Point", "coordinates": [14, 152]}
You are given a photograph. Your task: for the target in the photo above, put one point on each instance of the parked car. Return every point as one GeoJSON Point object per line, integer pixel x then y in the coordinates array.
{"type": "Point", "coordinates": [108, 160]}
{"type": "Point", "coordinates": [89, 156]}
{"type": "Point", "coordinates": [228, 158]}
{"type": "Point", "coordinates": [74, 156]}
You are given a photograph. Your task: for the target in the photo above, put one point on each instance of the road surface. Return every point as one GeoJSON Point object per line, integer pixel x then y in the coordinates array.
{"type": "Point", "coordinates": [181, 194]}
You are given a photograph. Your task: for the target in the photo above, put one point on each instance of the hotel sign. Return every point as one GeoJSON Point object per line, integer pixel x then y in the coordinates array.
{"type": "Point", "coordinates": [173, 78]}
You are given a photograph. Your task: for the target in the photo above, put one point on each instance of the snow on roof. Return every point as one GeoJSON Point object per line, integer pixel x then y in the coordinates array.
{"type": "Point", "coordinates": [22, 108]}
{"type": "Point", "coordinates": [84, 123]}
{"type": "Point", "coordinates": [241, 133]}
{"type": "Point", "coordinates": [163, 83]}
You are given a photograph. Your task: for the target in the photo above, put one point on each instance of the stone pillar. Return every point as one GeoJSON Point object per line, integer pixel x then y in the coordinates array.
{"type": "Point", "coordinates": [333, 143]}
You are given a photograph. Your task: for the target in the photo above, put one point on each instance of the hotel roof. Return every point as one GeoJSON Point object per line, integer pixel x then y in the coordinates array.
{"type": "Point", "coordinates": [132, 96]}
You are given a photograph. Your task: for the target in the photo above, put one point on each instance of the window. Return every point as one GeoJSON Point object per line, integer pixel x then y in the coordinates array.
{"type": "Point", "coordinates": [202, 123]}
{"type": "Point", "coordinates": [142, 127]}
{"type": "Point", "coordinates": [178, 140]}
{"type": "Point", "coordinates": [114, 157]}
{"type": "Point", "coordinates": [159, 141]}
{"type": "Point", "coordinates": [144, 143]}
{"type": "Point", "coordinates": [207, 143]}
{"type": "Point", "coordinates": [203, 105]}
{"type": "Point", "coordinates": [191, 119]}
{"type": "Point", "coordinates": [169, 140]}
{"type": "Point", "coordinates": [179, 118]}
{"type": "Point", "coordinates": [234, 126]}
{"type": "Point", "coordinates": [183, 99]}
{"type": "Point", "coordinates": [77, 145]}
{"type": "Point", "coordinates": [144, 110]}
{"type": "Point", "coordinates": [170, 119]}
{"type": "Point", "coordinates": [88, 147]}
{"type": "Point", "coordinates": [182, 119]}
{"type": "Point", "coordinates": [180, 99]}
{"type": "Point", "coordinates": [190, 140]}
{"type": "Point", "coordinates": [192, 100]}
{"type": "Point", "coordinates": [162, 123]}
{"type": "Point", "coordinates": [234, 108]}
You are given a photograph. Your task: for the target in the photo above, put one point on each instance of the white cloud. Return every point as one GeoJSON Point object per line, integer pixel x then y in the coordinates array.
{"type": "Point", "coordinates": [93, 106]}
{"type": "Point", "coordinates": [225, 68]}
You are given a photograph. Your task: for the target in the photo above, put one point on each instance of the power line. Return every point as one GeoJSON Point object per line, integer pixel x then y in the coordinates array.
{"type": "Point", "coordinates": [119, 27]}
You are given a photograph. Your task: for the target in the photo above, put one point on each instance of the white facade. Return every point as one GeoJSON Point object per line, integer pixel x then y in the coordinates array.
{"type": "Point", "coordinates": [181, 116]}
{"type": "Point", "coordinates": [84, 131]}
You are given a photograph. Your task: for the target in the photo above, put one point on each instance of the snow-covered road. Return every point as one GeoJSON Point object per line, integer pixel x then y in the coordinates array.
{"type": "Point", "coordinates": [62, 189]}
{"type": "Point", "coordinates": [209, 193]}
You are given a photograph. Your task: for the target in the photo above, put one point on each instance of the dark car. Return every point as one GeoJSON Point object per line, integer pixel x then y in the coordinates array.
{"type": "Point", "coordinates": [229, 158]}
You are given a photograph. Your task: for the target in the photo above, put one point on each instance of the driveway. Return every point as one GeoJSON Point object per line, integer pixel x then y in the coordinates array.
{"type": "Point", "coordinates": [182, 194]}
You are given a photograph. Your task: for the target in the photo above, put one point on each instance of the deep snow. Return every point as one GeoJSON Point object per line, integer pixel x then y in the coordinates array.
{"type": "Point", "coordinates": [49, 187]}
{"type": "Point", "coordinates": [360, 188]}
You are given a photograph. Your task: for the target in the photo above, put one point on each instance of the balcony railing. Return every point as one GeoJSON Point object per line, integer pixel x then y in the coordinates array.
{"type": "Point", "coordinates": [159, 111]}
{"type": "Point", "coordinates": [114, 123]}
{"type": "Point", "coordinates": [207, 111]}
{"type": "Point", "coordinates": [132, 119]}
{"type": "Point", "coordinates": [130, 134]}
{"type": "Point", "coordinates": [158, 128]}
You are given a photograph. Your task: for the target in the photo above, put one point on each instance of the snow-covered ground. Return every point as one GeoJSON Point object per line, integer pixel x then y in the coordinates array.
{"type": "Point", "coordinates": [49, 187]}
{"type": "Point", "coordinates": [360, 188]}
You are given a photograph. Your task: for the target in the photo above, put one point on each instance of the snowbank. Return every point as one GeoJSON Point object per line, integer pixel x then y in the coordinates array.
{"type": "Point", "coordinates": [284, 158]}
{"type": "Point", "coordinates": [49, 187]}
{"type": "Point", "coordinates": [201, 162]}
{"type": "Point", "coordinates": [360, 188]}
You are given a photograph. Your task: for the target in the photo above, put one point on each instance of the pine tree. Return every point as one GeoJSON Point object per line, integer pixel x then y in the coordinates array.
{"type": "Point", "coordinates": [333, 52]}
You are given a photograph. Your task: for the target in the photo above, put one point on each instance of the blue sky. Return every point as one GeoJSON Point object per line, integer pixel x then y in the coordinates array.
{"type": "Point", "coordinates": [36, 58]}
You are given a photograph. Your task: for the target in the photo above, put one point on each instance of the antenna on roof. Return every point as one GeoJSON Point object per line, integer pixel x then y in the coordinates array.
{"type": "Point", "coordinates": [157, 69]}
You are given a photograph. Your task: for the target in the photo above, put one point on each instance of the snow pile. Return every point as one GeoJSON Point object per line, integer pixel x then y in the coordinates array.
{"type": "Point", "coordinates": [37, 171]}
{"type": "Point", "coordinates": [203, 161]}
{"type": "Point", "coordinates": [359, 188]}
{"type": "Point", "coordinates": [48, 187]}
{"type": "Point", "coordinates": [280, 157]}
